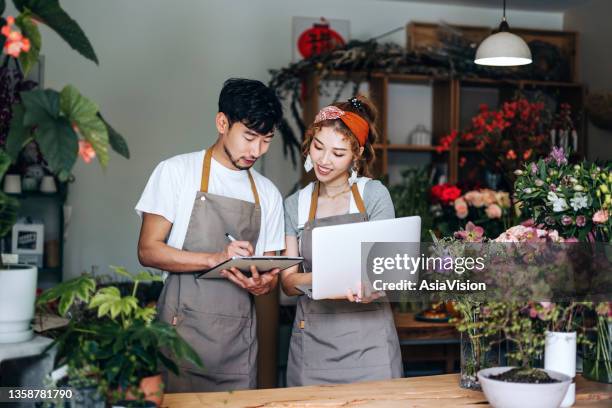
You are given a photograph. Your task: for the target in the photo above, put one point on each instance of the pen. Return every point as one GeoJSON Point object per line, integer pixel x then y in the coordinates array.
{"type": "Point", "coordinates": [229, 237]}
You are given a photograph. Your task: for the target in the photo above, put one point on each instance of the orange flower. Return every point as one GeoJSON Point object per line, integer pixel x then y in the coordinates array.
{"type": "Point", "coordinates": [86, 151]}
{"type": "Point", "coordinates": [511, 155]}
{"type": "Point", "coordinates": [527, 154]}
{"type": "Point", "coordinates": [15, 42]}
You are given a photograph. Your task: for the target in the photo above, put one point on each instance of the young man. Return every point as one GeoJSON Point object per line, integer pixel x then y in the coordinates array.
{"type": "Point", "coordinates": [190, 202]}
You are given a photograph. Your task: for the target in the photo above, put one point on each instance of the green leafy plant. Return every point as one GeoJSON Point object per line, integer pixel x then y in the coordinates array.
{"type": "Point", "coordinates": [112, 341]}
{"type": "Point", "coordinates": [63, 123]}
{"type": "Point", "coordinates": [411, 197]}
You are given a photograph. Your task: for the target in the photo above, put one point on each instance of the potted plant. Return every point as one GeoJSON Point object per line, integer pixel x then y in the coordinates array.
{"type": "Point", "coordinates": [63, 125]}
{"type": "Point", "coordinates": [112, 341]}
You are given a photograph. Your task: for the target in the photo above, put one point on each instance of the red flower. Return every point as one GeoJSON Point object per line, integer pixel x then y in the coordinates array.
{"type": "Point", "coordinates": [445, 193]}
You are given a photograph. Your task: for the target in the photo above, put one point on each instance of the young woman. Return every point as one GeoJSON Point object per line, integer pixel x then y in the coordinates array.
{"type": "Point", "coordinates": [350, 339]}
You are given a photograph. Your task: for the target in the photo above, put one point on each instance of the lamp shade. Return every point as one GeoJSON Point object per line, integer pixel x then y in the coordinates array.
{"type": "Point", "coordinates": [503, 49]}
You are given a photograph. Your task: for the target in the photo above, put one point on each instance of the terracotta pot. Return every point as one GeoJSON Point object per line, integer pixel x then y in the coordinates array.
{"type": "Point", "coordinates": [153, 389]}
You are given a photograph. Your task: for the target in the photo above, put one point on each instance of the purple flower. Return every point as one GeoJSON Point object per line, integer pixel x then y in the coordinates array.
{"type": "Point", "coordinates": [549, 220]}
{"type": "Point", "coordinates": [553, 187]}
{"type": "Point", "coordinates": [534, 169]}
{"type": "Point", "coordinates": [581, 220]}
{"type": "Point", "coordinates": [557, 154]}
{"type": "Point", "coordinates": [566, 220]}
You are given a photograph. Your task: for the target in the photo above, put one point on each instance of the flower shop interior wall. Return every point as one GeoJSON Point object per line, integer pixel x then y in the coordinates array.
{"type": "Point", "coordinates": [595, 58]}
{"type": "Point", "coordinates": [159, 83]}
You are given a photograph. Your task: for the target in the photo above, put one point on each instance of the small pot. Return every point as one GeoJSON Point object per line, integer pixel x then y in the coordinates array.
{"type": "Point", "coordinates": [501, 394]}
{"type": "Point", "coordinates": [152, 388]}
{"type": "Point", "coordinates": [17, 297]}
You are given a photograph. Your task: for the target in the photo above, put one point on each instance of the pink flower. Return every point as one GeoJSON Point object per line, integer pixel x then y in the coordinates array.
{"type": "Point", "coordinates": [474, 198]}
{"type": "Point", "coordinates": [601, 217]}
{"type": "Point", "coordinates": [581, 220]}
{"type": "Point", "coordinates": [461, 208]}
{"type": "Point", "coordinates": [489, 197]}
{"type": "Point", "coordinates": [494, 211]}
{"type": "Point", "coordinates": [86, 151]}
{"type": "Point", "coordinates": [566, 220]}
{"type": "Point", "coordinates": [15, 42]}
{"type": "Point", "coordinates": [471, 233]}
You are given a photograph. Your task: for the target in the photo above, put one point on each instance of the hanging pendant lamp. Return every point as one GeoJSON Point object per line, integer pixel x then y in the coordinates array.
{"type": "Point", "coordinates": [503, 49]}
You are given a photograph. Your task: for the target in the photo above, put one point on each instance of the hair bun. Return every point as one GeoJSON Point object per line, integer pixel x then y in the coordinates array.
{"type": "Point", "coordinates": [356, 103]}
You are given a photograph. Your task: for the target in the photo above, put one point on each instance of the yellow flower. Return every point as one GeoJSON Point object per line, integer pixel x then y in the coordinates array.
{"type": "Point", "coordinates": [604, 188]}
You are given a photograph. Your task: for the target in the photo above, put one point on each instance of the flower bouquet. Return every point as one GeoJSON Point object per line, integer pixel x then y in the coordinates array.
{"type": "Point", "coordinates": [573, 199]}
{"type": "Point", "coordinates": [486, 208]}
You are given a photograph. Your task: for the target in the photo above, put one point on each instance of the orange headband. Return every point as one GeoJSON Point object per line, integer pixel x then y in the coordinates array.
{"type": "Point", "coordinates": [358, 125]}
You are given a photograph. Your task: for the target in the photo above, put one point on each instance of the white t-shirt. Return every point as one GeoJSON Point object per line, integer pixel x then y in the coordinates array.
{"type": "Point", "coordinates": [173, 185]}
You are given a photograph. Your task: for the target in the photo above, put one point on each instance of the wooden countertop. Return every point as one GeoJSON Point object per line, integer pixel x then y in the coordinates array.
{"type": "Point", "coordinates": [440, 391]}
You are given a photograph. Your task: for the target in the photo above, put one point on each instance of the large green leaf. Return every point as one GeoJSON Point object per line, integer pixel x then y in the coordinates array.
{"type": "Point", "coordinates": [77, 288]}
{"type": "Point", "coordinates": [9, 207]}
{"type": "Point", "coordinates": [5, 162]}
{"type": "Point", "coordinates": [58, 144]}
{"type": "Point", "coordinates": [117, 141]}
{"type": "Point", "coordinates": [41, 106]}
{"type": "Point", "coordinates": [84, 113]}
{"type": "Point", "coordinates": [30, 30]}
{"type": "Point", "coordinates": [51, 13]}
{"type": "Point", "coordinates": [17, 137]}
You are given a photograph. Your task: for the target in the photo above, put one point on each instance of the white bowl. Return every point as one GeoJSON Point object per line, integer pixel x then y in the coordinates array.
{"type": "Point", "coordinates": [501, 394]}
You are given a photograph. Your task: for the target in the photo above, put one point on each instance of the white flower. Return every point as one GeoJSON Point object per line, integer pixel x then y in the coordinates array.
{"type": "Point", "coordinates": [578, 187]}
{"type": "Point", "coordinates": [560, 205]}
{"type": "Point", "coordinates": [579, 201]}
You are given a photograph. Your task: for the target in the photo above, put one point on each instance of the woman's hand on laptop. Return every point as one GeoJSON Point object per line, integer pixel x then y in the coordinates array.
{"type": "Point", "coordinates": [363, 295]}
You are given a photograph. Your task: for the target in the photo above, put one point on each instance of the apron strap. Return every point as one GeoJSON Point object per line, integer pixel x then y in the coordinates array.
{"type": "Point", "coordinates": [314, 198]}
{"type": "Point", "coordinates": [206, 175]}
{"type": "Point", "coordinates": [313, 201]}
{"type": "Point", "coordinates": [358, 199]}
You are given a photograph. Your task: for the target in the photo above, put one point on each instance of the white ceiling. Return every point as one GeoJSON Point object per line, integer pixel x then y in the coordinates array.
{"type": "Point", "coordinates": [533, 5]}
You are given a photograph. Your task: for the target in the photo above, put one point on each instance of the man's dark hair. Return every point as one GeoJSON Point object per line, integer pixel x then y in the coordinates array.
{"type": "Point", "coordinates": [252, 103]}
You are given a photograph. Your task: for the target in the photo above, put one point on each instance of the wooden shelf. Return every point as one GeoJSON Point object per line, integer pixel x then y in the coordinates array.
{"type": "Point", "coordinates": [406, 147]}
{"type": "Point", "coordinates": [519, 83]}
{"type": "Point", "coordinates": [448, 100]}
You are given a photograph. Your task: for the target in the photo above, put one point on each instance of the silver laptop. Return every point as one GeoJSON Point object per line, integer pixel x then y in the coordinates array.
{"type": "Point", "coordinates": [336, 252]}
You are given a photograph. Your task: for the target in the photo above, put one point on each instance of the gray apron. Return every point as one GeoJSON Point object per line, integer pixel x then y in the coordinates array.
{"type": "Point", "coordinates": [337, 341]}
{"type": "Point", "coordinates": [215, 316]}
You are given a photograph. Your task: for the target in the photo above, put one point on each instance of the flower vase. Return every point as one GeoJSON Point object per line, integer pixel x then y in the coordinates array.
{"type": "Point", "coordinates": [560, 356]}
{"type": "Point", "coordinates": [597, 364]}
{"type": "Point", "coordinates": [476, 354]}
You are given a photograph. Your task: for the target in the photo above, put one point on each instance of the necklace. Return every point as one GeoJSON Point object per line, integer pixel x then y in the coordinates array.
{"type": "Point", "coordinates": [336, 195]}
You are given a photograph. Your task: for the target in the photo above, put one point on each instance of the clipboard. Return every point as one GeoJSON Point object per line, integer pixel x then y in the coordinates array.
{"type": "Point", "coordinates": [263, 263]}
